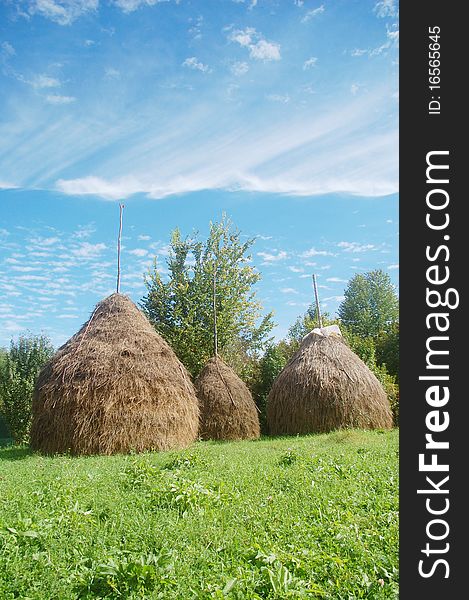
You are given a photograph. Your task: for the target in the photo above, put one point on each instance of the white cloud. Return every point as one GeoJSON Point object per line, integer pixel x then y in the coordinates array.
{"type": "Point", "coordinates": [63, 12]}
{"type": "Point", "coordinates": [354, 88]}
{"type": "Point", "coordinates": [196, 65]}
{"type": "Point", "coordinates": [176, 157]}
{"type": "Point", "coordinates": [131, 5]}
{"type": "Point", "coordinates": [314, 252]}
{"type": "Point", "coordinates": [336, 280]}
{"type": "Point", "coordinates": [391, 267]}
{"type": "Point", "coordinates": [239, 68]}
{"type": "Point", "coordinates": [111, 73]}
{"type": "Point", "coordinates": [355, 247]}
{"type": "Point", "coordinates": [358, 52]}
{"type": "Point", "coordinates": [313, 13]}
{"type": "Point", "coordinates": [311, 62]}
{"type": "Point", "coordinates": [7, 50]}
{"type": "Point", "coordinates": [268, 257]}
{"type": "Point", "coordinates": [296, 270]}
{"type": "Point", "coordinates": [144, 238]}
{"type": "Point", "coordinates": [285, 99]}
{"type": "Point", "coordinates": [386, 8]}
{"type": "Point", "coordinates": [68, 316]}
{"type": "Point", "coordinates": [88, 251]}
{"type": "Point", "coordinates": [118, 189]}
{"type": "Point", "coordinates": [292, 303]}
{"type": "Point", "coordinates": [335, 298]}
{"type": "Point", "coordinates": [57, 99]}
{"type": "Point", "coordinates": [5, 185]}
{"type": "Point", "coordinates": [21, 269]}
{"type": "Point", "coordinates": [196, 29]}
{"type": "Point", "coordinates": [139, 252]}
{"type": "Point", "coordinates": [289, 291]}
{"type": "Point", "coordinates": [50, 241]}
{"type": "Point", "coordinates": [84, 231]}
{"type": "Point", "coordinates": [44, 81]}
{"type": "Point", "coordinates": [259, 47]}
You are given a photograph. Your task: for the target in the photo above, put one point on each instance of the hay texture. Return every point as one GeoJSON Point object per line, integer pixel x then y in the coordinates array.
{"type": "Point", "coordinates": [115, 386]}
{"type": "Point", "coordinates": [325, 386]}
{"type": "Point", "coordinates": [227, 410]}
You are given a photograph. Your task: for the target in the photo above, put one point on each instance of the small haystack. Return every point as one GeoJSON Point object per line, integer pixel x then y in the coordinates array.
{"type": "Point", "coordinates": [115, 386]}
{"type": "Point", "coordinates": [227, 410]}
{"type": "Point", "coordinates": [325, 386]}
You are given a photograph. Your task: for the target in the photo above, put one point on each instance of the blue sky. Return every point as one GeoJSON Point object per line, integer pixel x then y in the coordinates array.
{"type": "Point", "coordinates": [282, 113]}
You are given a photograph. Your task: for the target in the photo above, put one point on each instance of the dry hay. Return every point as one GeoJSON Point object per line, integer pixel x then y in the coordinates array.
{"type": "Point", "coordinates": [115, 386]}
{"type": "Point", "coordinates": [325, 386]}
{"type": "Point", "coordinates": [227, 410]}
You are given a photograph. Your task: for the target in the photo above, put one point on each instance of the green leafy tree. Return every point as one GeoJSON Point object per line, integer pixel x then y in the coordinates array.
{"type": "Point", "coordinates": [304, 324]}
{"type": "Point", "coordinates": [387, 350]}
{"type": "Point", "coordinates": [181, 308]}
{"type": "Point", "coordinates": [268, 367]}
{"type": "Point", "coordinates": [18, 374]}
{"type": "Point", "coordinates": [370, 306]}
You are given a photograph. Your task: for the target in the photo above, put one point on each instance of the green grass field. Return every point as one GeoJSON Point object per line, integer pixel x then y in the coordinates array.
{"type": "Point", "coordinates": [300, 517]}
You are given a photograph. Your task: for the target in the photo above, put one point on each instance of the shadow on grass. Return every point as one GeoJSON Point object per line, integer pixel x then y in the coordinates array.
{"type": "Point", "coordinates": [12, 452]}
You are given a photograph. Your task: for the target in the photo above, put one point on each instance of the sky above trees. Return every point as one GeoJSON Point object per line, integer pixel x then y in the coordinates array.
{"type": "Point", "coordinates": [284, 114]}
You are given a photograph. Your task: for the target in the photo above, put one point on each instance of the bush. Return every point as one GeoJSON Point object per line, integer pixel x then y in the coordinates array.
{"type": "Point", "coordinates": [18, 374]}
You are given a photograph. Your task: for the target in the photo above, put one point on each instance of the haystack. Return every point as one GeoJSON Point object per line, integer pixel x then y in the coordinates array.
{"type": "Point", "coordinates": [227, 410]}
{"type": "Point", "coordinates": [115, 386]}
{"type": "Point", "coordinates": [325, 386]}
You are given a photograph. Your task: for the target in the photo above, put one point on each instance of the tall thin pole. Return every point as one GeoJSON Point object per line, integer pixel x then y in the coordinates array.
{"type": "Point", "coordinates": [316, 295]}
{"type": "Point", "coordinates": [215, 334]}
{"type": "Point", "coordinates": [121, 208]}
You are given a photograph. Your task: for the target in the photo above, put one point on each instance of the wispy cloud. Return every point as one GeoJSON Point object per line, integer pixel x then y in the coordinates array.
{"type": "Point", "coordinates": [313, 13]}
{"type": "Point", "coordinates": [88, 251]}
{"type": "Point", "coordinates": [269, 257]}
{"type": "Point", "coordinates": [44, 81]}
{"type": "Point", "coordinates": [58, 99]}
{"type": "Point", "coordinates": [194, 64]}
{"type": "Point", "coordinates": [239, 68]}
{"type": "Point", "coordinates": [355, 247]}
{"type": "Point", "coordinates": [138, 252]}
{"type": "Point", "coordinates": [336, 280]}
{"type": "Point", "coordinates": [311, 62]}
{"type": "Point", "coordinates": [7, 50]}
{"type": "Point", "coordinates": [129, 6]}
{"type": "Point", "coordinates": [314, 252]}
{"type": "Point", "coordinates": [63, 12]}
{"type": "Point", "coordinates": [289, 290]}
{"type": "Point", "coordinates": [392, 267]}
{"type": "Point", "coordinates": [284, 99]}
{"type": "Point", "coordinates": [386, 8]}
{"type": "Point", "coordinates": [259, 47]}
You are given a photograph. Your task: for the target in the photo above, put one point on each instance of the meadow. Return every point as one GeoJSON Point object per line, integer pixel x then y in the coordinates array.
{"type": "Point", "coordinates": [299, 517]}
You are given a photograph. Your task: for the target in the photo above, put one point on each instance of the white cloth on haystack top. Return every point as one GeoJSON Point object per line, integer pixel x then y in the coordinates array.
{"type": "Point", "coordinates": [325, 331]}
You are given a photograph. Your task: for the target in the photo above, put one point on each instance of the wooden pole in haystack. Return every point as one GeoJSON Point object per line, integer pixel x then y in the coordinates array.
{"type": "Point", "coordinates": [215, 333]}
{"type": "Point", "coordinates": [316, 295]}
{"type": "Point", "coordinates": [121, 208]}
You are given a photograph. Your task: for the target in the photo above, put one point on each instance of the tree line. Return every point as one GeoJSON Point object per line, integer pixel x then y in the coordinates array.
{"type": "Point", "coordinates": [217, 273]}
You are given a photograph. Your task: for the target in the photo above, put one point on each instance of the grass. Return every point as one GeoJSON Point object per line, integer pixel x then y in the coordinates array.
{"type": "Point", "coordinates": [299, 517]}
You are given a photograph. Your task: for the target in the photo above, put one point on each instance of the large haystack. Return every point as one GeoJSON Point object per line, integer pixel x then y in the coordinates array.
{"type": "Point", "coordinates": [227, 410]}
{"type": "Point", "coordinates": [325, 386]}
{"type": "Point", "coordinates": [115, 386]}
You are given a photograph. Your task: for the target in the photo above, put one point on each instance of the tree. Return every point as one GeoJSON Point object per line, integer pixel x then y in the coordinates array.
{"type": "Point", "coordinates": [387, 350]}
{"type": "Point", "coordinates": [370, 306]}
{"type": "Point", "coordinates": [18, 375]}
{"type": "Point", "coordinates": [306, 323]}
{"type": "Point", "coordinates": [181, 308]}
